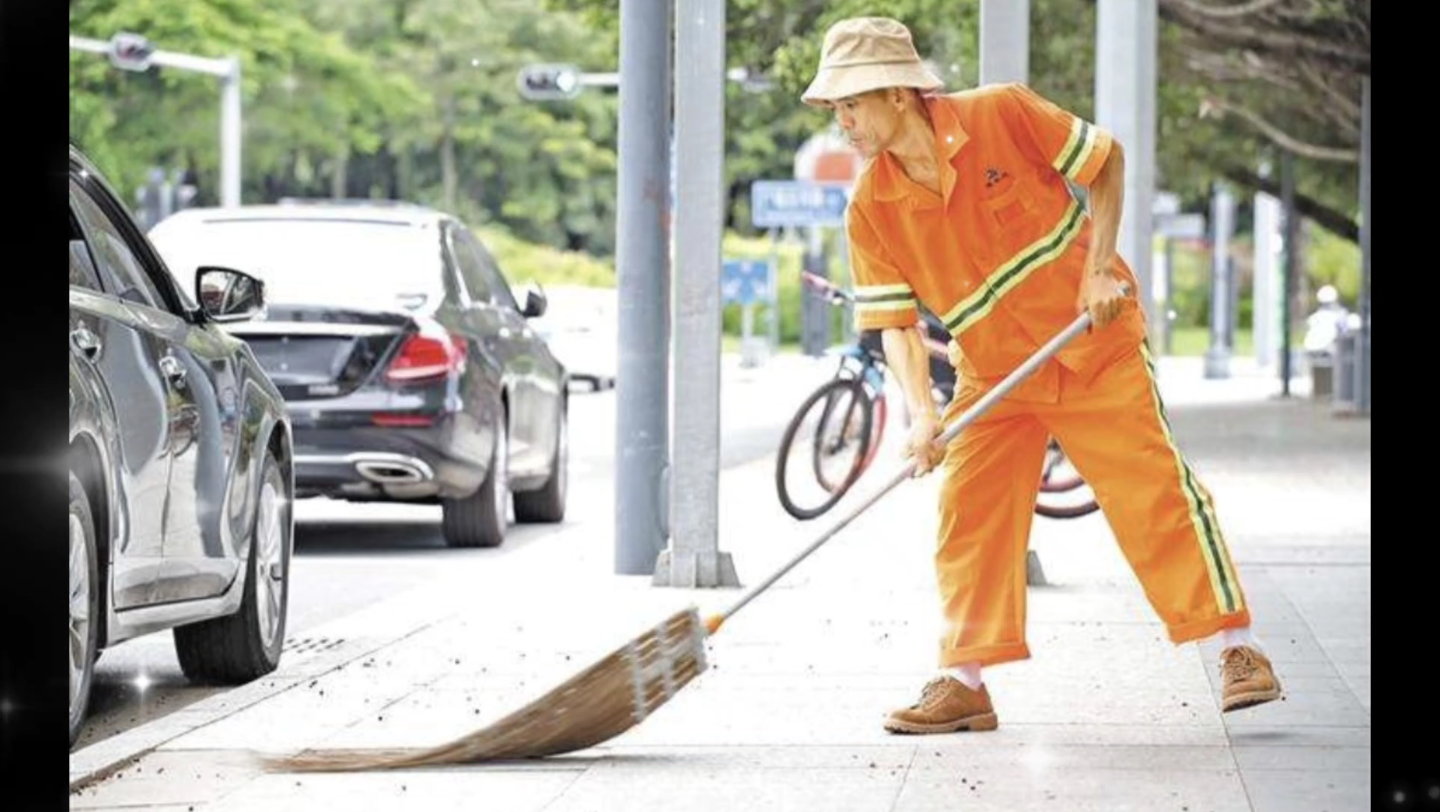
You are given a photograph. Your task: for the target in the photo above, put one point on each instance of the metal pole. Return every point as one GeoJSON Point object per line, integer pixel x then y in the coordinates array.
{"type": "Point", "coordinates": [774, 291]}
{"type": "Point", "coordinates": [1004, 41]}
{"type": "Point", "coordinates": [1217, 358]}
{"type": "Point", "coordinates": [693, 559]}
{"type": "Point", "coordinates": [1287, 287]}
{"type": "Point", "coordinates": [230, 130]}
{"type": "Point", "coordinates": [642, 248]}
{"type": "Point", "coordinates": [1362, 347]}
{"type": "Point", "coordinates": [1126, 53]}
{"type": "Point", "coordinates": [1168, 323]}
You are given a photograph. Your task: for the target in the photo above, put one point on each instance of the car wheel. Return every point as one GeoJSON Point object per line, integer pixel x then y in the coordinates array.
{"type": "Point", "coordinates": [245, 645]}
{"type": "Point", "coordinates": [548, 503]}
{"type": "Point", "coordinates": [479, 520]}
{"type": "Point", "coordinates": [84, 605]}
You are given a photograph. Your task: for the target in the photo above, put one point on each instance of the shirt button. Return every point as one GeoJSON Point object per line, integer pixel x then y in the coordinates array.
{"type": "Point", "coordinates": [949, 139]}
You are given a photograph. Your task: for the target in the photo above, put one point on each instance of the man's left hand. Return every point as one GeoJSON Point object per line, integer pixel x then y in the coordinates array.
{"type": "Point", "coordinates": [1102, 295]}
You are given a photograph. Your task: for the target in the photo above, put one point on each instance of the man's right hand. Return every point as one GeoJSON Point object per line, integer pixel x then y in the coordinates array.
{"type": "Point", "coordinates": [921, 446]}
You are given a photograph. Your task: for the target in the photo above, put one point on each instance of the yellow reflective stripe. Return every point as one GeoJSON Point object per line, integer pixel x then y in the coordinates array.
{"type": "Point", "coordinates": [1077, 149]}
{"type": "Point", "coordinates": [979, 304]}
{"type": "Point", "coordinates": [873, 291]}
{"type": "Point", "coordinates": [1213, 550]}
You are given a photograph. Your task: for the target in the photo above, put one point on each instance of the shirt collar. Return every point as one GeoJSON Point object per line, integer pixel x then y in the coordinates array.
{"type": "Point", "coordinates": [949, 138]}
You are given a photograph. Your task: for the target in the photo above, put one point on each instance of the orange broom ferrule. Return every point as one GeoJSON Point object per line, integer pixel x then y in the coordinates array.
{"type": "Point", "coordinates": [712, 623]}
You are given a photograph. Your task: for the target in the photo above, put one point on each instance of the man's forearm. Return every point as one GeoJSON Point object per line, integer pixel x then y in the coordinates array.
{"type": "Point", "coordinates": [905, 353]}
{"type": "Point", "coordinates": [1107, 198]}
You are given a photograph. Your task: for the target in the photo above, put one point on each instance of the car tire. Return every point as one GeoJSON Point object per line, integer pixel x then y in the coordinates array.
{"type": "Point", "coordinates": [245, 645]}
{"type": "Point", "coordinates": [84, 605]}
{"type": "Point", "coordinates": [547, 505]}
{"type": "Point", "coordinates": [479, 520]}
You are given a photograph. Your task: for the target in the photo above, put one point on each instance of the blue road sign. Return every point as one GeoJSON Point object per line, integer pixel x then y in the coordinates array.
{"type": "Point", "coordinates": [744, 281]}
{"type": "Point", "coordinates": [781, 203]}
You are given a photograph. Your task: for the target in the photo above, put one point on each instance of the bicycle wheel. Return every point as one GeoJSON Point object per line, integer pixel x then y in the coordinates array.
{"type": "Point", "coordinates": [1063, 492]}
{"type": "Point", "coordinates": [1058, 475]}
{"type": "Point", "coordinates": [824, 448]}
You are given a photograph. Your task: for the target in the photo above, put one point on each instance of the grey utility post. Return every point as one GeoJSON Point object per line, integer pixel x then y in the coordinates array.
{"type": "Point", "coordinates": [1004, 41]}
{"type": "Point", "coordinates": [1362, 348]}
{"type": "Point", "coordinates": [1125, 92]}
{"type": "Point", "coordinates": [642, 392]}
{"type": "Point", "coordinates": [133, 52]}
{"type": "Point", "coordinates": [1222, 223]}
{"type": "Point", "coordinates": [1267, 276]}
{"type": "Point", "coordinates": [693, 559]}
{"type": "Point", "coordinates": [1291, 223]}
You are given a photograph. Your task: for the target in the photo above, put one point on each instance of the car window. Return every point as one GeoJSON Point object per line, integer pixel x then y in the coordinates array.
{"type": "Point", "coordinates": [470, 265]}
{"type": "Point", "coordinates": [118, 264]}
{"type": "Point", "coordinates": [490, 271]}
{"type": "Point", "coordinates": [82, 265]}
{"type": "Point", "coordinates": [339, 262]}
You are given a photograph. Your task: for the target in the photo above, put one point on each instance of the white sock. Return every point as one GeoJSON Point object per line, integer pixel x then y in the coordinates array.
{"type": "Point", "coordinates": [967, 673]}
{"type": "Point", "coordinates": [1239, 637]}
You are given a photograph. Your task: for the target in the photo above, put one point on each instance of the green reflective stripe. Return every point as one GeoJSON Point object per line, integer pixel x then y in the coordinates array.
{"type": "Point", "coordinates": [979, 304]}
{"type": "Point", "coordinates": [861, 298]}
{"type": "Point", "coordinates": [1202, 511]}
{"type": "Point", "coordinates": [1077, 148]}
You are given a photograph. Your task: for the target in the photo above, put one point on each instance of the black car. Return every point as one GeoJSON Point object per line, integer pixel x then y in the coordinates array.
{"type": "Point", "coordinates": [181, 458]}
{"type": "Point", "coordinates": [410, 371]}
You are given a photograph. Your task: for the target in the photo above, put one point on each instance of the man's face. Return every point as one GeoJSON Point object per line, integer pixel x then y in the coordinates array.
{"type": "Point", "coordinates": [870, 120]}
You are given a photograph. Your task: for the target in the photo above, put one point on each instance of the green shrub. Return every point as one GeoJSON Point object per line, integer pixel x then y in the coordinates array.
{"type": "Point", "coordinates": [527, 262]}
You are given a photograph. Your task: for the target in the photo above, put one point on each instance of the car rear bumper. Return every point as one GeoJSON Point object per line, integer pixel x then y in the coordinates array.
{"type": "Point", "coordinates": [383, 463]}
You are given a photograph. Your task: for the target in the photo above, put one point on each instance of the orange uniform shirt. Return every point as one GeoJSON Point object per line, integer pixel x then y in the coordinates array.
{"type": "Point", "coordinates": [999, 254]}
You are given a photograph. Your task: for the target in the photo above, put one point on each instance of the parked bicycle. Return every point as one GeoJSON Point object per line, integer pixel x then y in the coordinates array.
{"type": "Point", "coordinates": [838, 429]}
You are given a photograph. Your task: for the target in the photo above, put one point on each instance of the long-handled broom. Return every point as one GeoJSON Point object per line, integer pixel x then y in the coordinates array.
{"type": "Point", "coordinates": [627, 685]}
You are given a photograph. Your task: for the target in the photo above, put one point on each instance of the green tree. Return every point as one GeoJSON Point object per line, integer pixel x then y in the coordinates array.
{"type": "Point", "coordinates": [305, 92]}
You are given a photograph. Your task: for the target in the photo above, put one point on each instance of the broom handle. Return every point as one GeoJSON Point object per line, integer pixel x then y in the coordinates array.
{"type": "Point", "coordinates": [1080, 325]}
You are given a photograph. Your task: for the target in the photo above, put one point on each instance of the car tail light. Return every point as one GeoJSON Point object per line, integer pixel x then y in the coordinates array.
{"type": "Point", "coordinates": [402, 421]}
{"type": "Point", "coordinates": [424, 356]}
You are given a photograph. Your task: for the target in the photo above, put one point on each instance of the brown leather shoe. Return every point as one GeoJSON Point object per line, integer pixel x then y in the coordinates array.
{"type": "Point", "coordinates": [1249, 678]}
{"type": "Point", "coordinates": [946, 705]}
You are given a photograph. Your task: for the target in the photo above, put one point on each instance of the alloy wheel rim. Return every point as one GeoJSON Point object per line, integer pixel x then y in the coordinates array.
{"type": "Point", "coordinates": [79, 610]}
{"type": "Point", "coordinates": [269, 569]}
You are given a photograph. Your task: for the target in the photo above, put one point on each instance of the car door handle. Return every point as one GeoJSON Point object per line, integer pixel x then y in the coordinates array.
{"type": "Point", "coordinates": [172, 369]}
{"type": "Point", "coordinates": [86, 341]}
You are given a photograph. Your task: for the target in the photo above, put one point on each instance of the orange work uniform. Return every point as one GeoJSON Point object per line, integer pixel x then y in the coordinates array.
{"type": "Point", "coordinates": [999, 255]}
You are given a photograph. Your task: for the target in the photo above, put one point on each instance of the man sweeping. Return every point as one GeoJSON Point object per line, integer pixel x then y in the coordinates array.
{"type": "Point", "coordinates": [963, 206]}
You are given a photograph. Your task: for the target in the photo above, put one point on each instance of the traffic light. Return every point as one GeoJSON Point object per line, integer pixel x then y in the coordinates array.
{"type": "Point", "coordinates": [543, 82]}
{"type": "Point", "coordinates": [131, 52]}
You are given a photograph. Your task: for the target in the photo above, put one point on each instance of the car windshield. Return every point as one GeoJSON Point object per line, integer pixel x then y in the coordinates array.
{"type": "Point", "coordinates": [359, 263]}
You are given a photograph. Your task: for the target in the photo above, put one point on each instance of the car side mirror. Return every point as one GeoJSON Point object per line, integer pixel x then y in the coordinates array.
{"type": "Point", "coordinates": [535, 303]}
{"type": "Point", "coordinates": [228, 295]}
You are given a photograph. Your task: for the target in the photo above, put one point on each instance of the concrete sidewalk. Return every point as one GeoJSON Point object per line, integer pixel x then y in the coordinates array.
{"type": "Point", "coordinates": [1107, 715]}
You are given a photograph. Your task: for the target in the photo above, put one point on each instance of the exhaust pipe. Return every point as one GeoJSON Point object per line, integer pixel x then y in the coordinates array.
{"type": "Point", "coordinates": [389, 469]}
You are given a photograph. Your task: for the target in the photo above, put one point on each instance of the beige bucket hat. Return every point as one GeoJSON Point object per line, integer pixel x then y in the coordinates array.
{"type": "Point", "coordinates": [867, 53]}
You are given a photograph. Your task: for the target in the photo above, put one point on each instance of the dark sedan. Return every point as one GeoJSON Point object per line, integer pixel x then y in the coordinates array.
{"type": "Point", "coordinates": [181, 463]}
{"type": "Point", "coordinates": [410, 371]}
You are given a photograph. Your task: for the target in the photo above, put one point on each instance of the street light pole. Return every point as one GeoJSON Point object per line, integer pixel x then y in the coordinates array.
{"type": "Point", "coordinates": [228, 70]}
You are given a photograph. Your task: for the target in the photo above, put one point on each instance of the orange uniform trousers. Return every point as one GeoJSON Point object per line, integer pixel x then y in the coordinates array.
{"type": "Point", "coordinates": [1114, 430]}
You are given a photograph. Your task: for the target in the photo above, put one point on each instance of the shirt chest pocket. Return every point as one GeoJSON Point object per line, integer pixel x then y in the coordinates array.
{"type": "Point", "coordinates": [1007, 202]}
{"type": "Point", "coordinates": [1012, 217]}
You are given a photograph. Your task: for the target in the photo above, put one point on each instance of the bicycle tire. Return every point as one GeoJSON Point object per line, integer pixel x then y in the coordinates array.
{"type": "Point", "coordinates": [1050, 485]}
{"type": "Point", "coordinates": [828, 389]}
{"type": "Point", "coordinates": [1066, 511]}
